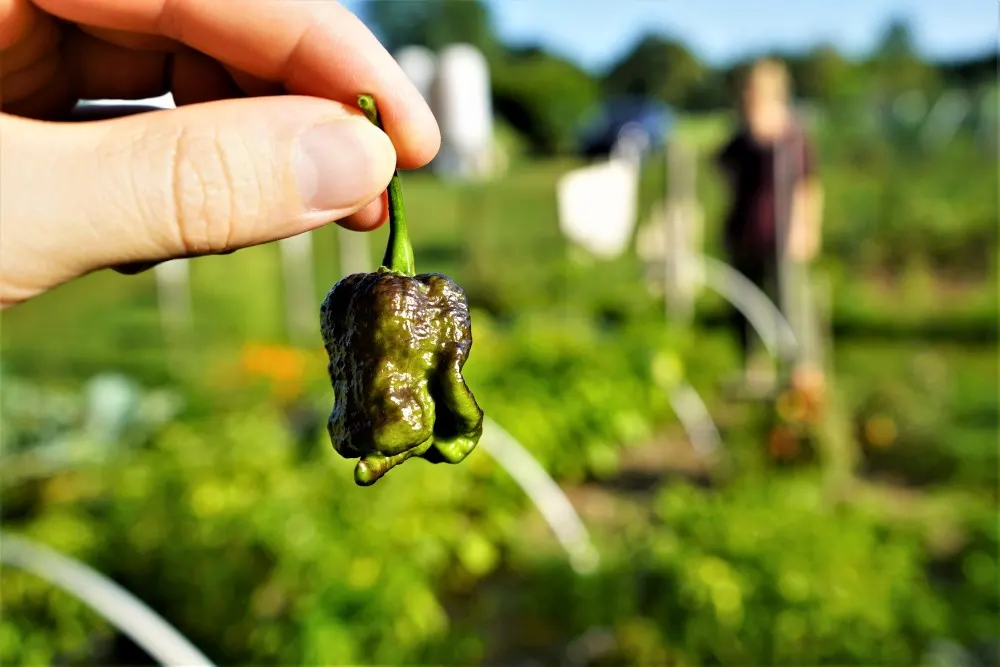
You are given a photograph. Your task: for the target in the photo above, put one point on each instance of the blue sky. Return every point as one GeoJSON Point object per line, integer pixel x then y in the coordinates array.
{"type": "Point", "coordinates": [595, 32]}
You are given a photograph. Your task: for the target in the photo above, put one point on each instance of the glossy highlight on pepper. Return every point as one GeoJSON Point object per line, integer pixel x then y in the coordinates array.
{"type": "Point", "coordinates": [397, 344]}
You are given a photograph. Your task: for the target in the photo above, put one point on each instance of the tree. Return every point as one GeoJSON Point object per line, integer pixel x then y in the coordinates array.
{"type": "Point", "coordinates": [824, 75]}
{"type": "Point", "coordinates": [896, 43]}
{"type": "Point", "coordinates": [658, 67]}
{"type": "Point", "coordinates": [972, 71]}
{"type": "Point", "coordinates": [432, 23]}
{"type": "Point", "coordinates": [897, 67]}
{"type": "Point", "coordinates": [544, 97]}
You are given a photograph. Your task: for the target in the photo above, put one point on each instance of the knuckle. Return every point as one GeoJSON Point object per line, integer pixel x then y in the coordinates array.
{"type": "Point", "coordinates": [203, 189]}
{"type": "Point", "coordinates": [193, 187]}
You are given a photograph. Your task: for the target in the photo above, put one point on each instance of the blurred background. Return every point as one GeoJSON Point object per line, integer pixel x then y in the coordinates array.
{"type": "Point", "coordinates": [168, 429]}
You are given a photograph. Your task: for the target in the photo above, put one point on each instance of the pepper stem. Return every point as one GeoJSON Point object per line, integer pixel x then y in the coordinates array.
{"type": "Point", "coordinates": [398, 251]}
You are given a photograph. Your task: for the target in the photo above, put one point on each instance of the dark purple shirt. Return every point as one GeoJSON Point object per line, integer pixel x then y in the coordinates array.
{"type": "Point", "coordinates": [751, 168]}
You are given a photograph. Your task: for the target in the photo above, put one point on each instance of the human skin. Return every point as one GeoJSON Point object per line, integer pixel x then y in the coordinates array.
{"type": "Point", "coordinates": [806, 220]}
{"type": "Point", "coordinates": [766, 110]}
{"type": "Point", "coordinates": [266, 142]}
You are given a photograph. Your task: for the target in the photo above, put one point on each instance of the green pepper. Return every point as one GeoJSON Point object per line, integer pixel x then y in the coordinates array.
{"type": "Point", "coordinates": [397, 343]}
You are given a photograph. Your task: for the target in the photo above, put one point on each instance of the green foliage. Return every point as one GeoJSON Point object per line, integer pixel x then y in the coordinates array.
{"type": "Point", "coordinates": [432, 23]}
{"type": "Point", "coordinates": [41, 624]}
{"type": "Point", "coordinates": [545, 98]}
{"type": "Point", "coordinates": [896, 67]}
{"type": "Point", "coordinates": [572, 394]}
{"type": "Point", "coordinates": [259, 547]}
{"type": "Point", "coordinates": [510, 143]}
{"type": "Point", "coordinates": [753, 574]}
{"type": "Point", "coordinates": [821, 572]}
{"type": "Point", "coordinates": [929, 419]}
{"type": "Point", "coordinates": [302, 567]}
{"type": "Point", "coordinates": [934, 208]}
{"type": "Point", "coordinates": [259, 556]}
{"type": "Point", "coordinates": [660, 68]}
{"type": "Point", "coordinates": [969, 580]}
{"type": "Point", "coordinates": [825, 76]}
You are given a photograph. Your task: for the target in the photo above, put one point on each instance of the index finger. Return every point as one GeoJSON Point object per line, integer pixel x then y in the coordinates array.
{"type": "Point", "coordinates": [17, 18]}
{"type": "Point", "coordinates": [315, 48]}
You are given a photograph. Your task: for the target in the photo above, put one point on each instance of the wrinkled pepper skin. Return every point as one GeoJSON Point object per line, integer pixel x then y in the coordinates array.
{"type": "Point", "coordinates": [397, 345]}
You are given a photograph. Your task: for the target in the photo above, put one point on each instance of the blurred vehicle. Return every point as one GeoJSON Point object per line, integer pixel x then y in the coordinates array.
{"type": "Point", "coordinates": [646, 121]}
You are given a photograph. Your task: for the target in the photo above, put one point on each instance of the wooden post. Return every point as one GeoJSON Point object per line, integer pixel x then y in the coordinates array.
{"type": "Point", "coordinates": [670, 254]}
{"type": "Point", "coordinates": [681, 222]}
{"type": "Point", "coordinates": [300, 288]}
{"type": "Point", "coordinates": [794, 291]}
{"type": "Point", "coordinates": [173, 278]}
{"type": "Point", "coordinates": [806, 302]}
{"type": "Point", "coordinates": [355, 251]}
{"type": "Point", "coordinates": [173, 286]}
{"type": "Point", "coordinates": [835, 439]}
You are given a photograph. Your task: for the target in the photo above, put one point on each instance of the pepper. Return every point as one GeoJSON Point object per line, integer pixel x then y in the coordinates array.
{"type": "Point", "coordinates": [397, 344]}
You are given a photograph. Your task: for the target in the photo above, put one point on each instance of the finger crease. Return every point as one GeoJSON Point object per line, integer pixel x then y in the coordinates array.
{"type": "Point", "coordinates": [177, 192]}
{"type": "Point", "coordinates": [285, 71]}
{"type": "Point", "coordinates": [230, 189]}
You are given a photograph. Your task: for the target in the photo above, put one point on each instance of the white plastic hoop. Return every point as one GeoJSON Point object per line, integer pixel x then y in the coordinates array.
{"type": "Point", "coordinates": [550, 500]}
{"type": "Point", "coordinates": [119, 607]}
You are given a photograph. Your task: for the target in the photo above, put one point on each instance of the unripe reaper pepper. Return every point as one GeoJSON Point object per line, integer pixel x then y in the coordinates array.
{"type": "Point", "coordinates": [397, 343]}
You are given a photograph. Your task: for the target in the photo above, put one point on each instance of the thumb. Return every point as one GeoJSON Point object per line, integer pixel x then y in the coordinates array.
{"type": "Point", "coordinates": [195, 180]}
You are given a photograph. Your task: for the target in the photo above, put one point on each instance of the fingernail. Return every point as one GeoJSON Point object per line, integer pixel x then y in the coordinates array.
{"type": "Point", "coordinates": [343, 163]}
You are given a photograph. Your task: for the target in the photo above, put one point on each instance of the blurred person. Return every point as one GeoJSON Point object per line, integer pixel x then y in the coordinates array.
{"type": "Point", "coordinates": [266, 142]}
{"type": "Point", "coordinates": [770, 166]}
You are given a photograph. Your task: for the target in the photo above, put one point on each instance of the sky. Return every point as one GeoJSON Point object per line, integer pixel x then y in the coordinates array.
{"type": "Point", "coordinates": [594, 33]}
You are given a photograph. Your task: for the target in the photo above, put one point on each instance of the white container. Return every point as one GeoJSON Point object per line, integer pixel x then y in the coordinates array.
{"type": "Point", "coordinates": [462, 102]}
{"type": "Point", "coordinates": [420, 65]}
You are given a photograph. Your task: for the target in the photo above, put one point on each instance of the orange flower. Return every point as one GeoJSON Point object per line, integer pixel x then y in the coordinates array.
{"type": "Point", "coordinates": [284, 367]}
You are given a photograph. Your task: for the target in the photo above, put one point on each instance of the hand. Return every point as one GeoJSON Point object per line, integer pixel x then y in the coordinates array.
{"type": "Point", "coordinates": [805, 235]}
{"type": "Point", "coordinates": [219, 174]}
{"type": "Point", "coordinates": [802, 247]}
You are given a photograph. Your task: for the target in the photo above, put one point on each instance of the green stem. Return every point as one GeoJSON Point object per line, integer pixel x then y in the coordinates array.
{"type": "Point", "coordinates": [398, 251]}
